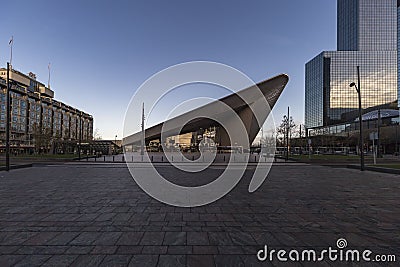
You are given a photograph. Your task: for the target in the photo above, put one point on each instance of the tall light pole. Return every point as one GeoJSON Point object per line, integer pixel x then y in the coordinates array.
{"type": "Point", "coordinates": [80, 135]}
{"type": "Point", "coordinates": [287, 133]}
{"type": "Point", "coordinates": [142, 144]}
{"type": "Point", "coordinates": [115, 144]}
{"type": "Point", "coordinates": [361, 141]}
{"type": "Point", "coordinates": [262, 137]}
{"type": "Point", "coordinates": [378, 141]}
{"type": "Point", "coordinates": [301, 141]}
{"type": "Point", "coordinates": [8, 111]}
{"type": "Point", "coordinates": [8, 119]}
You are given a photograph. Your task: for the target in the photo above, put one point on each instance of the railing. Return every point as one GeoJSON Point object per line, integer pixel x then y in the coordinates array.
{"type": "Point", "coordinates": [185, 158]}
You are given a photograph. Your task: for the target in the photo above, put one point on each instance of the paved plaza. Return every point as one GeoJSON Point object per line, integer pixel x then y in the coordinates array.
{"type": "Point", "coordinates": [95, 214]}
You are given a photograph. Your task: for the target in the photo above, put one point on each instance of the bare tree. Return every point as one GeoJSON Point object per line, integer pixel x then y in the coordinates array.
{"type": "Point", "coordinates": [42, 137]}
{"type": "Point", "coordinates": [97, 135]}
{"type": "Point", "coordinates": [282, 130]}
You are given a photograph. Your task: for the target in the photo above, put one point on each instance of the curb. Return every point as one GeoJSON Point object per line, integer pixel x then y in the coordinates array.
{"type": "Point", "coordinates": [19, 166]}
{"type": "Point", "coordinates": [376, 169]}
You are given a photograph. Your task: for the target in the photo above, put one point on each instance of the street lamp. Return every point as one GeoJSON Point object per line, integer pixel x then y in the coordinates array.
{"type": "Point", "coordinates": [287, 134]}
{"type": "Point", "coordinates": [378, 141]}
{"type": "Point", "coordinates": [8, 118]}
{"type": "Point", "coordinates": [80, 135]}
{"type": "Point", "coordinates": [115, 144]}
{"type": "Point", "coordinates": [361, 142]}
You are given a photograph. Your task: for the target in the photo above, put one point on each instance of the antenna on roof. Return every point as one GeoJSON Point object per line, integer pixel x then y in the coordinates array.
{"type": "Point", "coordinates": [48, 82]}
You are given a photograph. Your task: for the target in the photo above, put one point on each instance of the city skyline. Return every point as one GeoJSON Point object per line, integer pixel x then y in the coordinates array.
{"type": "Point", "coordinates": [103, 53]}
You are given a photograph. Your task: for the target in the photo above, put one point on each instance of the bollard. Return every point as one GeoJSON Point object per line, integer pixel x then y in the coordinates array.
{"type": "Point", "coordinates": [255, 158]}
{"type": "Point", "coordinates": [95, 159]}
{"type": "Point", "coordinates": [87, 158]}
{"type": "Point", "coordinates": [151, 158]}
{"type": "Point", "coordinates": [192, 158]}
{"type": "Point", "coordinates": [162, 159]}
{"type": "Point", "coordinates": [113, 158]}
{"type": "Point", "coordinates": [224, 158]}
{"type": "Point", "coordinates": [182, 158]}
{"type": "Point", "coordinates": [172, 158]}
{"type": "Point", "coordinates": [104, 158]}
{"type": "Point", "coordinates": [132, 158]}
{"type": "Point", "coordinates": [123, 158]}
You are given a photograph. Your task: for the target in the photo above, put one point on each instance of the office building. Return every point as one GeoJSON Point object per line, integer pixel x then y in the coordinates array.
{"type": "Point", "coordinates": [398, 49]}
{"type": "Point", "coordinates": [366, 37]}
{"type": "Point", "coordinates": [38, 122]}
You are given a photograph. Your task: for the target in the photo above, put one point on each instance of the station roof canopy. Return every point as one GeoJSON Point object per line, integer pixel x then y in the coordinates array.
{"type": "Point", "coordinates": [271, 89]}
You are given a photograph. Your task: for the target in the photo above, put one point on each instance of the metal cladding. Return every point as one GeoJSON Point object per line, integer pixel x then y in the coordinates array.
{"type": "Point", "coordinates": [244, 103]}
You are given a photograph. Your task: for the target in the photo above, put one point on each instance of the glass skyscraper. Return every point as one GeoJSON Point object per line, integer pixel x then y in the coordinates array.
{"type": "Point", "coordinates": [366, 37]}
{"type": "Point", "coordinates": [398, 49]}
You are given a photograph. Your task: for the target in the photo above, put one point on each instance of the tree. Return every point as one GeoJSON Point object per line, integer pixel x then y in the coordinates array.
{"type": "Point", "coordinates": [57, 142]}
{"type": "Point", "coordinates": [302, 131]}
{"type": "Point", "coordinates": [97, 135]}
{"type": "Point", "coordinates": [286, 127]}
{"type": "Point", "coordinates": [42, 137]}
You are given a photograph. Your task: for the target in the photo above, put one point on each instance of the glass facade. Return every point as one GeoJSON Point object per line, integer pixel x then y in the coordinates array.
{"type": "Point", "coordinates": [367, 37]}
{"type": "Point", "coordinates": [366, 25]}
{"type": "Point", "coordinates": [314, 98]}
{"type": "Point", "coordinates": [398, 49]}
{"type": "Point", "coordinates": [18, 112]}
{"type": "Point", "coordinates": [347, 26]}
{"type": "Point", "coordinates": [329, 99]}
{"type": "Point", "coordinates": [66, 124]}
{"type": "Point", "coordinates": [34, 115]}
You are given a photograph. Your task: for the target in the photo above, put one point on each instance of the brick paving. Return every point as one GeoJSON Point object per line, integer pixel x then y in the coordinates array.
{"type": "Point", "coordinates": [95, 215]}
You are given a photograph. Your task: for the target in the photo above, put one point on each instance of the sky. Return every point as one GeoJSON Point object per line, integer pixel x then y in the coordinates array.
{"type": "Point", "coordinates": [102, 51]}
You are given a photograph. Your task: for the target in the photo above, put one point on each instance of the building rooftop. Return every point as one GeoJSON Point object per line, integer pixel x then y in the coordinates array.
{"type": "Point", "coordinates": [27, 84]}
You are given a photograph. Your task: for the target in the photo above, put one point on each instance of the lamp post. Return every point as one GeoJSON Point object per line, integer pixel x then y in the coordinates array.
{"type": "Point", "coordinates": [8, 118]}
{"type": "Point", "coordinates": [142, 141]}
{"type": "Point", "coordinates": [378, 141]}
{"type": "Point", "coordinates": [361, 141]}
{"type": "Point", "coordinates": [287, 134]}
{"type": "Point", "coordinates": [80, 135]}
{"type": "Point", "coordinates": [115, 144]}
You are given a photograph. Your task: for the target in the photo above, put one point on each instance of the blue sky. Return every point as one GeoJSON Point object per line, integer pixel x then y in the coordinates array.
{"type": "Point", "coordinates": [102, 51]}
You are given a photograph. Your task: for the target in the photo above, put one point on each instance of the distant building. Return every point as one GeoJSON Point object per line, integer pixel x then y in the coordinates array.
{"type": "Point", "coordinates": [38, 121]}
{"type": "Point", "coordinates": [366, 37]}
